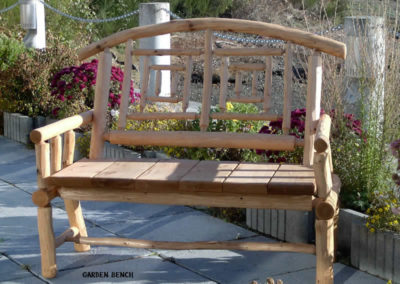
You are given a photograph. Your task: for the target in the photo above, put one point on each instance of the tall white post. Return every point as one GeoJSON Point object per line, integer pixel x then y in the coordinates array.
{"type": "Point", "coordinates": [33, 20]}
{"type": "Point", "coordinates": [365, 64]}
{"type": "Point", "coordinates": [153, 13]}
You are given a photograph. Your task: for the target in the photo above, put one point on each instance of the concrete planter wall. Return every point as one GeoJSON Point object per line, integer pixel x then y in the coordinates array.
{"type": "Point", "coordinates": [285, 225]}
{"type": "Point", "coordinates": [17, 126]}
{"type": "Point", "coordinates": [376, 253]}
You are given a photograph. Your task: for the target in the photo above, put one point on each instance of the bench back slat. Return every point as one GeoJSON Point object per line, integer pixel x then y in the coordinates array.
{"type": "Point", "coordinates": [287, 88]}
{"type": "Point", "coordinates": [267, 84]}
{"type": "Point", "coordinates": [204, 139]}
{"type": "Point", "coordinates": [126, 86]}
{"type": "Point", "coordinates": [207, 85]}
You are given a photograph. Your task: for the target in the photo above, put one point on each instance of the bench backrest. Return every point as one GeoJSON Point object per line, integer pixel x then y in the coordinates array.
{"type": "Point", "coordinates": [317, 44]}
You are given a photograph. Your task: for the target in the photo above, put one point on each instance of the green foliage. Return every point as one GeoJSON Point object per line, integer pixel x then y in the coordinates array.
{"type": "Point", "coordinates": [200, 8]}
{"type": "Point", "coordinates": [10, 50]}
{"type": "Point", "coordinates": [83, 144]}
{"type": "Point", "coordinates": [25, 87]}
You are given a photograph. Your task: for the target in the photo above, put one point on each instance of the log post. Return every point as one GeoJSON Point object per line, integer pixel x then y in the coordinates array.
{"type": "Point", "coordinates": [100, 105]}
{"type": "Point", "coordinates": [47, 242]}
{"type": "Point", "coordinates": [324, 243]}
{"type": "Point", "coordinates": [73, 207]}
{"type": "Point", "coordinates": [313, 105]}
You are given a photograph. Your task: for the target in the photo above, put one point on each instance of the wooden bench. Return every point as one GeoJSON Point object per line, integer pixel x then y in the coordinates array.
{"type": "Point", "coordinates": [307, 187]}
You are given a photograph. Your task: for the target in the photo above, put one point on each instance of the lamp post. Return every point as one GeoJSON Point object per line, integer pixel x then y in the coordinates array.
{"type": "Point", "coordinates": [32, 20]}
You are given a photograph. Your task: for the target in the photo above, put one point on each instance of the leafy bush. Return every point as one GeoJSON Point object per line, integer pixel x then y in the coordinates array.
{"type": "Point", "coordinates": [25, 85]}
{"type": "Point", "coordinates": [10, 51]}
{"type": "Point", "coordinates": [73, 89]}
{"type": "Point", "coordinates": [200, 8]}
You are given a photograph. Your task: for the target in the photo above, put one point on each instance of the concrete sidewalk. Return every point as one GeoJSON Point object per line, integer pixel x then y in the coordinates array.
{"type": "Point", "coordinates": [19, 246]}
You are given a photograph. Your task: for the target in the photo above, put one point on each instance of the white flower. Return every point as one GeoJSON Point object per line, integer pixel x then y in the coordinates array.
{"type": "Point", "coordinates": [114, 113]}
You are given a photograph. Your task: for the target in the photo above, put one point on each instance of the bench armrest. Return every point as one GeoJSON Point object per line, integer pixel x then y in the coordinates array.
{"type": "Point", "coordinates": [44, 133]}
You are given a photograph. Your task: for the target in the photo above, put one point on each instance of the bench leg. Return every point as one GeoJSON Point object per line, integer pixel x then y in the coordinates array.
{"type": "Point", "coordinates": [324, 242]}
{"type": "Point", "coordinates": [47, 242]}
{"type": "Point", "coordinates": [74, 211]}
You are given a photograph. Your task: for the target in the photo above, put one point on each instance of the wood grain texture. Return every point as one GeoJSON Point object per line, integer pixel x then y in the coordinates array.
{"type": "Point", "coordinates": [203, 139]}
{"type": "Point", "coordinates": [321, 143]}
{"type": "Point", "coordinates": [79, 173]}
{"type": "Point", "coordinates": [69, 148]}
{"type": "Point", "coordinates": [250, 178]}
{"type": "Point", "coordinates": [296, 36]}
{"type": "Point", "coordinates": [246, 116]}
{"type": "Point", "coordinates": [187, 83]}
{"type": "Point", "coordinates": [247, 67]}
{"type": "Point", "coordinates": [223, 87]}
{"type": "Point", "coordinates": [209, 245]}
{"type": "Point", "coordinates": [207, 85]}
{"type": "Point", "coordinates": [100, 105]}
{"type": "Point", "coordinates": [313, 105]}
{"type": "Point", "coordinates": [126, 85]}
{"type": "Point", "coordinates": [145, 82]}
{"type": "Point", "coordinates": [47, 242]}
{"type": "Point", "coordinates": [246, 100]}
{"type": "Point", "coordinates": [44, 133]}
{"type": "Point", "coordinates": [211, 199]}
{"type": "Point", "coordinates": [172, 51]}
{"type": "Point", "coordinates": [207, 176]}
{"type": "Point", "coordinates": [75, 217]}
{"type": "Point", "coordinates": [249, 52]}
{"type": "Point", "coordinates": [293, 180]}
{"type": "Point", "coordinates": [164, 176]}
{"type": "Point", "coordinates": [163, 115]}
{"type": "Point", "coordinates": [123, 174]}
{"type": "Point", "coordinates": [56, 154]}
{"type": "Point", "coordinates": [287, 88]}
{"type": "Point", "coordinates": [324, 244]}
{"type": "Point", "coordinates": [323, 175]}
{"type": "Point", "coordinates": [267, 84]}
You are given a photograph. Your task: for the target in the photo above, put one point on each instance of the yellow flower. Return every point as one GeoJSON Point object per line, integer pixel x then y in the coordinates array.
{"type": "Point", "coordinates": [235, 120]}
{"type": "Point", "coordinates": [368, 210]}
{"type": "Point", "coordinates": [367, 225]}
{"type": "Point", "coordinates": [386, 208]}
{"type": "Point", "coordinates": [380, 210]}
{"type": "Point", "coordinates": [395, 222]}
{"type": "Point", "coordinates": [372, 230]}
{"type": "Point", "coordinates": [373, 221]}
{"type": "Point", "coordinates": [229, 106]}
{"type": "Point", "coordinates": [390, 223]}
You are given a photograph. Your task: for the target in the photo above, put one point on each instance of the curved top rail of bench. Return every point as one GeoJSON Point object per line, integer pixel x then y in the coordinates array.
{"type": "Point", "coordinates": [296, 36]}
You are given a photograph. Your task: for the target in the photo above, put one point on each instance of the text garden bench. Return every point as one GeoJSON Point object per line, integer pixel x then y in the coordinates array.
{"type": "Point", "coordinates": [310, 186]}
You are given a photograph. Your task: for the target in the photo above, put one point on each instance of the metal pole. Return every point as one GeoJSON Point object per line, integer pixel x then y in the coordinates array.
{"type": "Point", "coordinates": [153, 13]}
{"type": "Point", "coordinates": [365, 65]}
{"type": "Point", "coordinates": [33, 20]}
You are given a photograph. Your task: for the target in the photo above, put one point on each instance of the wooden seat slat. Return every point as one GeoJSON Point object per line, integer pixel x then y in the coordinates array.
{"type": "Point", "coordinates": [79, 173]}
{"type": "Point", "coordinates": [153, 175]}
{"type": "Point", "coordinates": [123, 173]}
{"type": "Point", "coordinates": [293, 180]}
{"type": "Point", "coordinates": [164, 175]}
{"type": "Point", "coordinates": [250, 178]}
{"type": "Point", "coordinates": [207, 176]}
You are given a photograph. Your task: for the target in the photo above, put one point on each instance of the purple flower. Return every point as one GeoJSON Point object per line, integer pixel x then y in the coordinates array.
{"type": "Point", "coordinates": [82, 86]}
{"type": "Point", "coordinates": [55, 111]}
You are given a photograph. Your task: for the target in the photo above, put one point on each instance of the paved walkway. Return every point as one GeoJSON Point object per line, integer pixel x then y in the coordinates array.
{"type": "Point", "coordinates": [19, 247]}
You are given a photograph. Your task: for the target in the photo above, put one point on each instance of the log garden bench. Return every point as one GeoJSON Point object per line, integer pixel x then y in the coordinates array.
{"type": "Point", "coordinates": [307, 187]}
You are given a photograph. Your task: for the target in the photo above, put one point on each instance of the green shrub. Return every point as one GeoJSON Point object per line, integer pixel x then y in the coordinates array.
{"type": "Point", "coordinates": [10, 50]}
{"type": "Point", "coordinates": [25, 85]}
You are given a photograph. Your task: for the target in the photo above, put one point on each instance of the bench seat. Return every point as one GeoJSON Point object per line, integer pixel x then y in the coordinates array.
{"type": "Point", "coordinates": [152, 175]}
